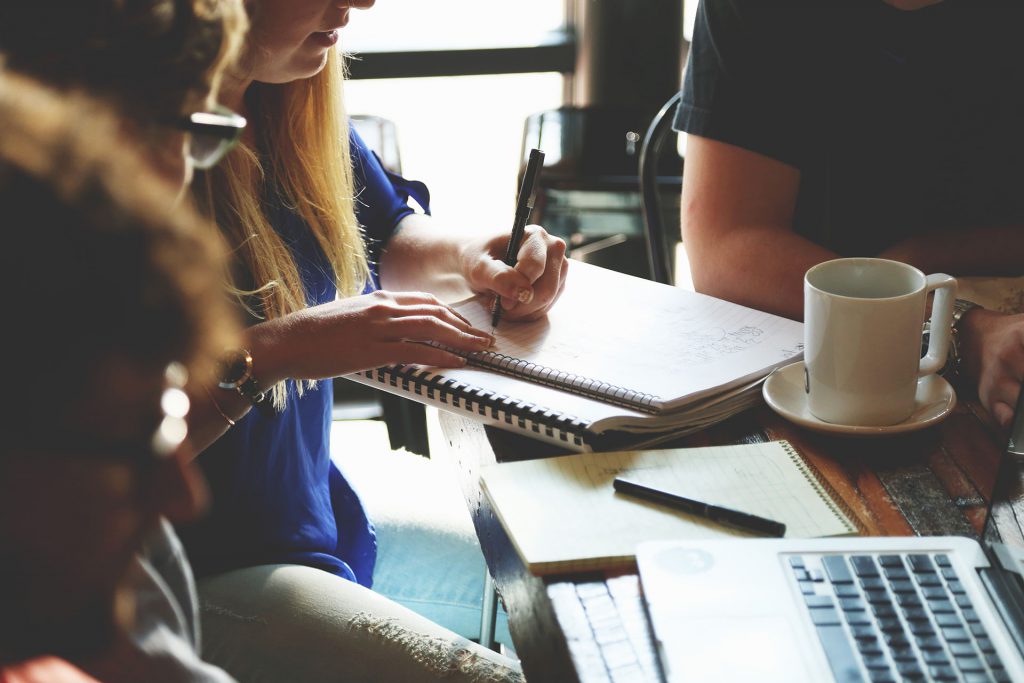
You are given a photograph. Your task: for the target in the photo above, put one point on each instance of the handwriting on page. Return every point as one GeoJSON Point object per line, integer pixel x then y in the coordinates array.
{"type": "Point", "coordinates": [655, 340]}
{"type": "Point", "coordinates": [693, 346]}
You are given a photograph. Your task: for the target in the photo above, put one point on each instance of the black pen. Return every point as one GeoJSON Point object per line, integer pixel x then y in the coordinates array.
{"type": "Point", "coordinates": [524, 205]}
{"type": "Point", "coordinates": [734, 518]}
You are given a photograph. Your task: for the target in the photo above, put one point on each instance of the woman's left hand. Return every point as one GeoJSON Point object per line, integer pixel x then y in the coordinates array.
{"type": "Point", "coordinates": [532, 286]}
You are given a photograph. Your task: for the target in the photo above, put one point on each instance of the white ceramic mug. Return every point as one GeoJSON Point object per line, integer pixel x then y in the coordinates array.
{"type": "Point", "coordinates": [862, 338]}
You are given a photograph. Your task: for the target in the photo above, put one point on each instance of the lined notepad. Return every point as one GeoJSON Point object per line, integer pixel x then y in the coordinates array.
{"type": "Point", "coordinates": [562, 514]}
{"type": "Point", "coordinates": [617, 362]}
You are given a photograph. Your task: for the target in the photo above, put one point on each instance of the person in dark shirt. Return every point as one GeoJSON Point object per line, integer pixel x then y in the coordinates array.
{"type": "Point", "coordinates": [890, 128]}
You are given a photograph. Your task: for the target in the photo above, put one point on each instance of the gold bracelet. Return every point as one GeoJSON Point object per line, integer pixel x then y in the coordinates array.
{"type": "Point", "coordinates": [219, 409]}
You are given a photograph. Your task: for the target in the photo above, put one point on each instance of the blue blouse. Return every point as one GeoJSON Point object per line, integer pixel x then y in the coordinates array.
{"type": "Point", "coordinates": [277, 496]}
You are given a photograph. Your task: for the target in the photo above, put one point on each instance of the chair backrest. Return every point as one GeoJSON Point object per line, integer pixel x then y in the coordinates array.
{"type": "Point", "coordinates": [658, 256]}
{"type": "Point", "coordinates": [381, 136]}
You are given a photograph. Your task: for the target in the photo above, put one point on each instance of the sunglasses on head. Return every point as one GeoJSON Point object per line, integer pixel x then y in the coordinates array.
{"type": "Point", "coordinates": [213, 134]}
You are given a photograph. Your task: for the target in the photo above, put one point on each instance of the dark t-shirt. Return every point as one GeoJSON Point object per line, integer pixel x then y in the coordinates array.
{"type": "Point", "coordinates": [900, 123]}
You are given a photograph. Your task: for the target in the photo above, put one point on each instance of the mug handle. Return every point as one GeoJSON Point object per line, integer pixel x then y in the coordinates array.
{"type": "Point", "coordinates": [944, 287]}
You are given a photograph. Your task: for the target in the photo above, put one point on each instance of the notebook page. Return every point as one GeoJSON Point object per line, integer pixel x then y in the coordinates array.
{"type": "Point", "coordinates": [646, 337]}
{"type": "Point", "coordinates": [763, 479]}
{"type": "Point", "coordinates": [563, 514]}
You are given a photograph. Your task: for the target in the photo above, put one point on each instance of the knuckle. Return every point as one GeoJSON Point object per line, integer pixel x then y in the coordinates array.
{"type": "Point", "coordinates": [381, 309]}
{"type": "Point", "coordinates": [478, 270]}
{"type": "Point", "coordinates": [420, 320]}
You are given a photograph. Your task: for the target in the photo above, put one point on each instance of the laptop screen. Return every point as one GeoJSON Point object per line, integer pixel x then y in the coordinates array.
{"type": "Point", "coordinates": [1006, 509]}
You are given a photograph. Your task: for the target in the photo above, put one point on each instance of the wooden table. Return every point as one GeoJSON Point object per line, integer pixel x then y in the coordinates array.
{"type": "Point", "coordinates": [934, 482]}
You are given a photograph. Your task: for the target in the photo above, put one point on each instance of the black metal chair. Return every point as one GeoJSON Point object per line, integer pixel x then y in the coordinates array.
{"type": "Point", "coordinates": [658, 255]}
{"type": "Point", "coordinates": [406, 420]}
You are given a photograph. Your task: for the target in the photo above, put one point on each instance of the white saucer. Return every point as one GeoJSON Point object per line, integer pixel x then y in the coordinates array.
{"type": "Point", "coordinates": [784, 393]}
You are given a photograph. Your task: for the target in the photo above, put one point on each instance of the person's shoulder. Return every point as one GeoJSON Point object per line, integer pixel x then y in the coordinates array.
{"type": "Point", "coordinates": [759, 26]}
{"type": "Point", "coordinates": [358, 148]}
{"type": "Point", "coordinates": [43, 670]}
{"type": "Point", "coordinates": [741, 11]}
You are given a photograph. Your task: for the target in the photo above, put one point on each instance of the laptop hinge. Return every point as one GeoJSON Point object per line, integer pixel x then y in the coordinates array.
{"type": "Point", "coordinates": [1003, 583]}
{"type": "Point", "coordinates": [1008, 558]}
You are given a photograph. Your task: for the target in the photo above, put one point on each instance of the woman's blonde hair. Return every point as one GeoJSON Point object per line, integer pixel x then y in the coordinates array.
{"type": "Point", "coordinates": [300, 158]}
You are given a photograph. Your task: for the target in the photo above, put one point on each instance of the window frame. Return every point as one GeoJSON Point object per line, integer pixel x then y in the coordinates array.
{"type": "Point", "coordinates": [557, 53]}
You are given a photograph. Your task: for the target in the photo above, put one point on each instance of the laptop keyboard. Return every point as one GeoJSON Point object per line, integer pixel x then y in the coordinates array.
{"type": "Point", "coordinates": [606, 630]}
{"type": "Point", "coordinates": [888, 618]}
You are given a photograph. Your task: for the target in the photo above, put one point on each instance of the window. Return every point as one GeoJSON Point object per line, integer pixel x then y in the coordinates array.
{"type": "Point", "coordinates": [407, 25]}
{"type": "Point", "coordinates": [459, 134]}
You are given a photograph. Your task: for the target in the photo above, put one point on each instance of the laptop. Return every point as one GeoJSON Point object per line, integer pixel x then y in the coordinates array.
{"type": "Point", "coordinates": [871, 609]}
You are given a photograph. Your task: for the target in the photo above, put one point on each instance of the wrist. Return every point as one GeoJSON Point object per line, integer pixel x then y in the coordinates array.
{"type": "Point", "coordinates": [970, 330]}
{"type": "Point", "coordinates": [237, 374]}
{"type": "Point", "coordinates": [264, 344]}
{"type": "Point", "coordinates": [467, 259]}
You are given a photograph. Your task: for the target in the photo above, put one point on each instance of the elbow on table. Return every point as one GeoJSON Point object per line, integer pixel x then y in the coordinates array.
{"type": "Point", "coordinates": [712, 270]}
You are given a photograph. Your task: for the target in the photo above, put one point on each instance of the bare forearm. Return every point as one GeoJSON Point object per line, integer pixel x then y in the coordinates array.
{"type": "Point", "coordinates": [336, 338]}
{"type": "Point", "coordinates": [422, 257]}
{"type": "Point", "coordinates": [214, 409]}
{"type": "Point", "coordinates": [758, 267]}
{"type": "Point", "coordinates": [737, 215]}
{"type": "Point", "coordinates": [980, 251]}
{"type": "Point", "coordinates": [207, 420]}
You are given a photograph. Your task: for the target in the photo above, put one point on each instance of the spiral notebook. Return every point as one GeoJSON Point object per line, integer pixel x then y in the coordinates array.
{"type": "Point", "coordinates": [563, 515]}
{"type": "Point", "coordinates": [618, 361]}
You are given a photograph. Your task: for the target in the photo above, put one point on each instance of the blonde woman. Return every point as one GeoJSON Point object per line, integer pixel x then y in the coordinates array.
{"type": "Point", "coordinates": [287, 530]}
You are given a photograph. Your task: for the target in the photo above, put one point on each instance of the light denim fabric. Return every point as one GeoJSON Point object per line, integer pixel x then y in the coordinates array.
{"type": "Point", "coordinates": [428, 556]}
{"type": "Point", "coordinates": [278, 623]}
{"type": "Point", "coordinates": [295, 623]}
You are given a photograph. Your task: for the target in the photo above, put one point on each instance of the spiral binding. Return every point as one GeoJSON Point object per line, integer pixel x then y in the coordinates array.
{"type": "Point", "coordinates": [479, 401]}
{"type": "Point", "coordinates": [566, 381]}
{"type": "Point", "coordinates": [825, 489]}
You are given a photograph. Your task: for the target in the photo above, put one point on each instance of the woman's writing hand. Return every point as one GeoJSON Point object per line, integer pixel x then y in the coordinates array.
{"type": "Point", "coordinates": [362, 332]}
{"type": "Point", "coordinates": [530, 288]}
{"type": "Point", "coordinates": [993, 356]}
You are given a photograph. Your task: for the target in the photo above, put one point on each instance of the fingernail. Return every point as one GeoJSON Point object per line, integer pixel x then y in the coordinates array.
{"type": "Point", "coordinates": [524, 295]}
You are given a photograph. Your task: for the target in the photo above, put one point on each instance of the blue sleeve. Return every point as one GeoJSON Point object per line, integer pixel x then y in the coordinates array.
{"type": "Point", "coordinates": [382, 199]}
